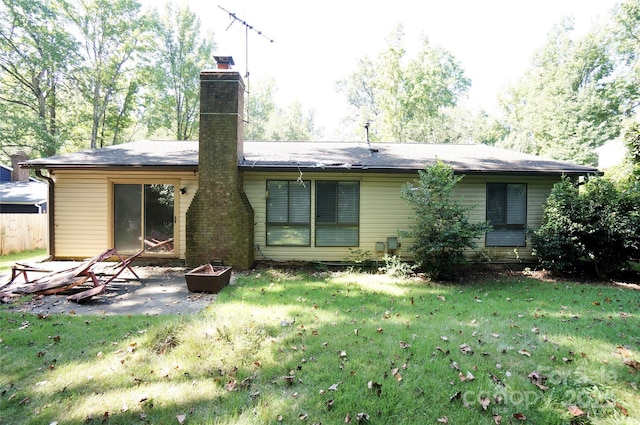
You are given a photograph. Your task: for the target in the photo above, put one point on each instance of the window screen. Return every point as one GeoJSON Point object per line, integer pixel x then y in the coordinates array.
{"type": "Point", "coordinates": [507, 214]}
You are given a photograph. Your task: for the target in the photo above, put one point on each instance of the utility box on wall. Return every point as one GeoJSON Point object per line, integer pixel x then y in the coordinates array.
{"type": "Point", "coordinates": [392, 243]}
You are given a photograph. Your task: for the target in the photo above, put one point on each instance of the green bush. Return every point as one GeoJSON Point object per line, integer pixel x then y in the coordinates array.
{"type": "Point", "coordinates": [597, 223]}
{"type": "Point", "coordinates": [442, 230]}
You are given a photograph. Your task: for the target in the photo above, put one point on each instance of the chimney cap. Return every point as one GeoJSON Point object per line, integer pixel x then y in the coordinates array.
{"type": "Point", "coordinates": [224, 62]}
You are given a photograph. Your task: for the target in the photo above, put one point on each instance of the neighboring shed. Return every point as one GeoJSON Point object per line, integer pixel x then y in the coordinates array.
{"type": "Point", "coordinates": [226, 199]}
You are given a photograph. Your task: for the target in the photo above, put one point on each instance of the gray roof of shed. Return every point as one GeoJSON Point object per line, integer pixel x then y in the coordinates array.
{"type": "Point", "coordinates": [337, 156]}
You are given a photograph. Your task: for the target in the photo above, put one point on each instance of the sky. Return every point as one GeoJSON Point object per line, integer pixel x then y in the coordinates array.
{"type": "Point", "coordinates": [316, 43]}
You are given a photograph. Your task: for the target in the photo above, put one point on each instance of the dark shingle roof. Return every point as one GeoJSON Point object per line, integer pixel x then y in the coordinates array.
{"type": "Point", "coordinates": [145, 153]}
{"type": "Point", "coordinates": [259, 156]}
{"type": "Point", "coordinates": [391, 157]}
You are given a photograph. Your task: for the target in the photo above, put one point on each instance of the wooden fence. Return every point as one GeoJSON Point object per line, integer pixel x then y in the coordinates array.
{"type": "Point", "coordinates": [19, 232]}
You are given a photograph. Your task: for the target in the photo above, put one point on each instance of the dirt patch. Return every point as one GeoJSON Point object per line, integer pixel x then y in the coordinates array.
{"type": "Point", "coordinates": [160, 290]}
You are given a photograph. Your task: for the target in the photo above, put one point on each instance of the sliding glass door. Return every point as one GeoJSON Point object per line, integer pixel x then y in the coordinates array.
{"type": "Point", "coordinates": [144, 217]}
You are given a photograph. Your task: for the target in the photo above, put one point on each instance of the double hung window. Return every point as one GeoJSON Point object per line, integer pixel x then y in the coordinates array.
{"type": "Point", "coordinates": [337, 213]}
{"type": "Point", "coordinates": [288, 213]}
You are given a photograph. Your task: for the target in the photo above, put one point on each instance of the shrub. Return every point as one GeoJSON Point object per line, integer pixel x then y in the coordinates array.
{"type": "Point", "coordinates": [442, 229]}
{"type": "Point", "coordinates": [598, 223]}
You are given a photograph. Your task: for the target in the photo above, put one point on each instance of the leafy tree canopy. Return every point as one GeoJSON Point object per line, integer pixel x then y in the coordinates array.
{"type": "Point", "coordinates": [405, 98]}
{"type": "Point", "coordinates": [579, 90]}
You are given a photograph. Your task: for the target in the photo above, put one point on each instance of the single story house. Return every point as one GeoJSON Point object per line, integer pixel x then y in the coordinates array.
{"type": "Point", "coordinates": [19, 193]}
{"type": "Point", "coordinates": [222, 198]}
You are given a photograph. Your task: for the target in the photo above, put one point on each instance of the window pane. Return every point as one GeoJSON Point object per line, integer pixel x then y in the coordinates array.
{"type": "Point", "coordinates": [299, 202]}
{"type": "Point", "coordinates": [326, 202]}
{"type": "Point", "coordinates": [506, 237]}
{"type": "Point", "coordinates": [289, 213]}
{"type": "Point", "coordinates": [289, 235]}
{"type": "Point", "coordinates": [337, 213]}
{"type": "Point", "coordinates": [496, 203]}
{"type": "Point", "coordinates": [348, 201]}
{"type": "Point", "coordinates": [337, 236]}
{"type": "Point", "coordinates": [158, 217]}
{"type": "Point", "coordinates": [507, 213]}
{"type": "Point", "coordinates": [127, 216]}
{"type": "Point", "coordinates": [516, 203]}
{"type": "Point", "coordinates": [277, 202]}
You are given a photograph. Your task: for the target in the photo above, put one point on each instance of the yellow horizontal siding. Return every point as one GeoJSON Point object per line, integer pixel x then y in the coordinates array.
{"type": "Point", "coordinates": [383, 213]}
{"type": "Point", "coordinates": [84, 219]}
{"type": "Point", "coordinates": [83, 208]}
{"type": "Point", "coordinates": [81, 214]}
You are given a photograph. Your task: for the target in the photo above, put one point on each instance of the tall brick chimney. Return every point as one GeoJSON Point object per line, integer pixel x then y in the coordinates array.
{"type": "Point", "coordinates": [220, 218]}
{"type": "Point", "coordinates": [19, 174]}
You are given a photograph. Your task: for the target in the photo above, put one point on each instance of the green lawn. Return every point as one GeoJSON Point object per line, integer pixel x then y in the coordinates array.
{"type": "Point", "coordinates": [330, 348]}
{"type": "Point", "coordinates": [32, 256]}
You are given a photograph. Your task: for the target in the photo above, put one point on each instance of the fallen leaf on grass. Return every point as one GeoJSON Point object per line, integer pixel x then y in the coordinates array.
{"type": "Point", "coordinates": [396, 374]}
{"type": "Point", "coordinates": [520, 416]}
{"type": "Point", "coordinates": [485, 402]}
{"type": "Point", "coordinates": [438, 348]}
{"type": "Point", "coordinates": [362, 417]}
{"type": "Point", "coordinates": [456, 396]}
{"type": "Point", "coordinates": [466, 349]}
{"type": "Point", "coordinates": [303, 417]}
{"type": "Point", "coordinates": [377, 388]}
{"type": "Point", "coordinates": [538, 380]}
{"type": "Point", "coordinates": [622, 409]}
{"type": "Point", "coordinates": [181, 418]}
{"type": "Point", "coordinates": [632, 363]}
{"type": "Point", "coordinates": [467, 377]}
{"type": "Point", "coordinates": [443, 420]}
{"type": "Point", "coordinates": [404, 345]}
{"type": "Point", "coordinates": [497, 419]}
{"type": "Point", "coordinates": [575, 410]}
{"type": "Point", "coordinates": [441, 298]}
{"type": "Point", "coordinates": [334, 387]}
{"type": "Point", "coordinates": [495, 379]}
{"type": "Point", "coordinates": [524, 353]}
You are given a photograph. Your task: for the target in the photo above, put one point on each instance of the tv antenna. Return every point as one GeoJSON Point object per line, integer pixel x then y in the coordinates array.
{"type": "Point", "coordinates": [247, 27]}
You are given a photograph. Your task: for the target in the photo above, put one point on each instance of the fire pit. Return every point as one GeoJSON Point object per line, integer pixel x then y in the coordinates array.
{"type": "Point", "coordinates": [208, 278]}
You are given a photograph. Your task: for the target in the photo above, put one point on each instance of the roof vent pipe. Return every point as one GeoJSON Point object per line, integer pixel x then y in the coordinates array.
{"type": "Point", "coordinates": [366, 131]}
